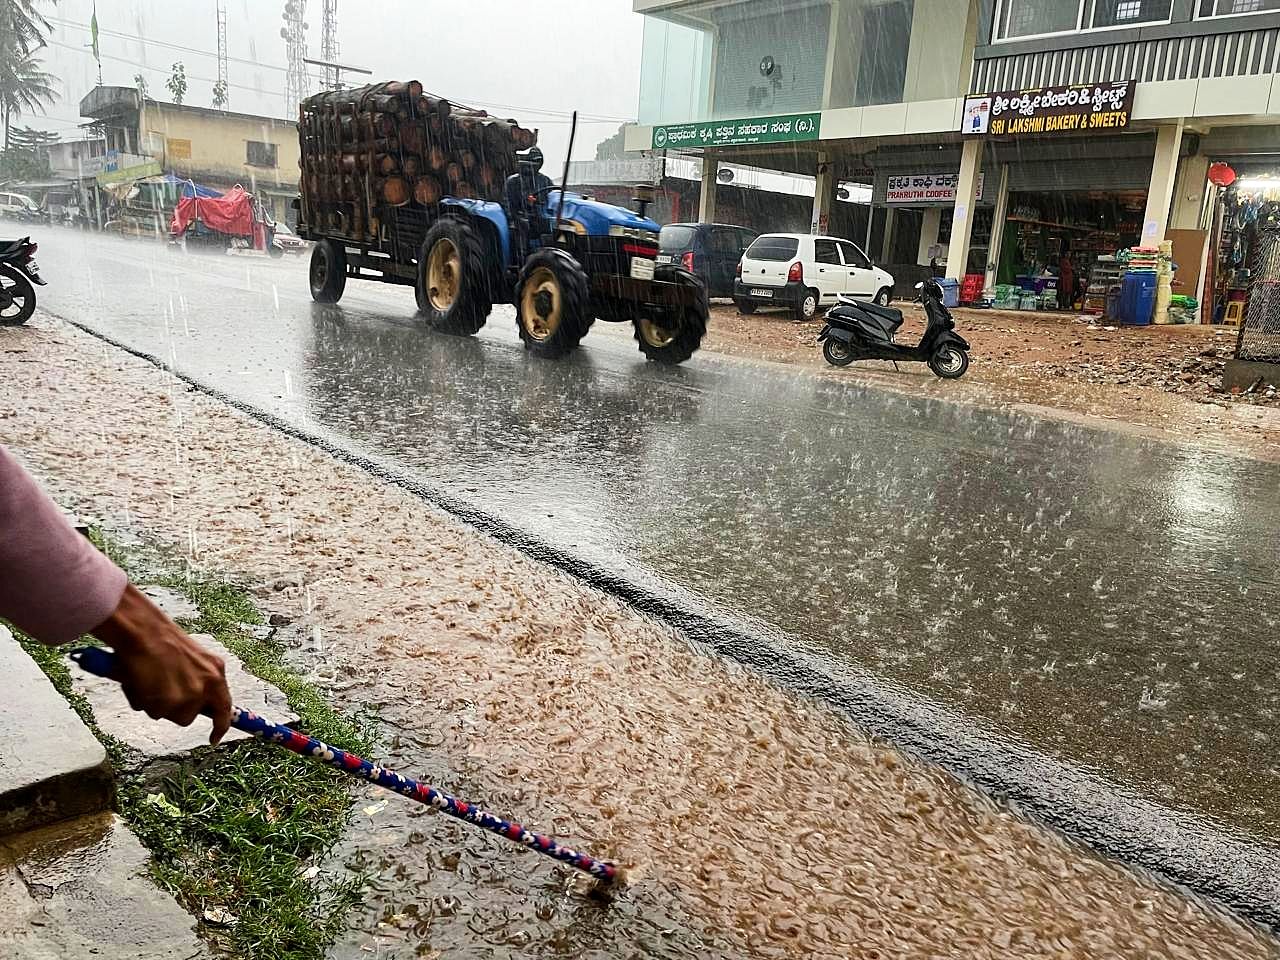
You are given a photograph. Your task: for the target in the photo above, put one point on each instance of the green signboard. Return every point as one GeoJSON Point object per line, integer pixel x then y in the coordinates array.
{"type": "Point", "coordinates": [151, 168]}
{"type": "Point", "coordinates": [788, 128]}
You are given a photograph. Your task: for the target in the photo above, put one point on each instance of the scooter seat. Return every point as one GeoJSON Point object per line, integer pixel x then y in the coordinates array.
{"type": "Point", "coordinates": [891, 314]}
{"type": "Point", "coordinates": [10, 246]}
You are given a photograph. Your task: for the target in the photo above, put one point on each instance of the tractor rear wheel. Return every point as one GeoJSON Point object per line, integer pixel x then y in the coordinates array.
{"type": "Point", "coordinates": [328, 272]}
{"type": "Point", "coordinates": [453, 283]}
{"type": "Point", "coordinates": [672, 335]}
{"type": "Point", "coordinates": [553, 304]}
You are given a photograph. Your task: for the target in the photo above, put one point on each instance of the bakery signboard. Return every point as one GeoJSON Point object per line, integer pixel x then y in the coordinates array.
{"type": "Point", "coordinates": [1050, 111]}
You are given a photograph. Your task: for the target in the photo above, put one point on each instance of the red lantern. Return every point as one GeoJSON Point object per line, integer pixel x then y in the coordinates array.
{"type": "Point", "coordinates": [1221, 175]}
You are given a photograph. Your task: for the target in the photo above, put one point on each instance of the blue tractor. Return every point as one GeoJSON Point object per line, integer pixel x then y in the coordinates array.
{"type": "Point", "coordinates": [563, 260]}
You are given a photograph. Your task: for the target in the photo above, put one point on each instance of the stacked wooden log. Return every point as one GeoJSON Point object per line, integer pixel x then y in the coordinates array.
{"type": "Point", "coordinates": [390, 145]}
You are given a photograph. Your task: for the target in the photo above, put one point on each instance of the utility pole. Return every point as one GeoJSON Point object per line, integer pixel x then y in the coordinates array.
{"type": "Point", "coordinates": [329, 44]}
{"type": "Point", "coordinates": [294, 32]}
{"type": "Point", "coordinates": [223, 84]}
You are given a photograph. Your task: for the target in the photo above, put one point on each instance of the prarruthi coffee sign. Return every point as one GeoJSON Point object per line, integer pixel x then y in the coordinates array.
{"type": "Point", "coordinates": [1050, 111]}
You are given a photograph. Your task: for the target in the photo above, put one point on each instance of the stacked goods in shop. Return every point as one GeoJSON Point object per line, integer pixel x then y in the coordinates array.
{"type": "Point", "coordinates": [1142, 259]}
{"type": "Point", "coordinates": [1184, 309]}
{"type": "Point", "coordinates": [1008, 296]}
{"type": "Point", "coordinates": [390, 145]}
{"type": "Point", "coordinates": [1164, 283]}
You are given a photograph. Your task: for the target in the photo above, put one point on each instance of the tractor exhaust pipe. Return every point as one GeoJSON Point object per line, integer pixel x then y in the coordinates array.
{"type": "Point", "coordinates": [564, 181]}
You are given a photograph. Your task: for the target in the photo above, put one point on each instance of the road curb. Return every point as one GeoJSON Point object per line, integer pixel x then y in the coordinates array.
{"type": "Point", "coordinates": [1181, 848]}
{"type": "Point", "coordinates": [52, 767]}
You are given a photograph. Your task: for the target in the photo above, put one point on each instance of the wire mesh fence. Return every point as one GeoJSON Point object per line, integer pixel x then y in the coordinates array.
{"type": "Point", "coordinates": [1259, 339]}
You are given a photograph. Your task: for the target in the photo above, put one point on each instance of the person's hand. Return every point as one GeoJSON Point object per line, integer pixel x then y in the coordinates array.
{"type": "Point", "coordinates": [164, 673]}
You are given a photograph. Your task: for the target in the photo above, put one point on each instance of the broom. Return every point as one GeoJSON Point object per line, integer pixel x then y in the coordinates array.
{"type": "Point", "coordinates": [101, 662]}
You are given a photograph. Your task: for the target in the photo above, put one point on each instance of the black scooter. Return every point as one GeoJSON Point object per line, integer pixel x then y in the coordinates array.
{"type": "Point", "coordinates": [18, 271]}
{"type": "Point", "coordinates": [863, 331]}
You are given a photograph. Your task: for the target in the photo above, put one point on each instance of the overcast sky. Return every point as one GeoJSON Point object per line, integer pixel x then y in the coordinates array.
{"type": "Point", "coordinates": [536, 60]}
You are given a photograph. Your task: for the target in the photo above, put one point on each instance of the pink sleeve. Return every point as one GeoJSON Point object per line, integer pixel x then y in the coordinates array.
{"type": "Point", "coordinates": [54, 584]}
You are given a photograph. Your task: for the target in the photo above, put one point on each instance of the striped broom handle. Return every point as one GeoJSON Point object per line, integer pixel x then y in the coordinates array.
{"type": "Point", "coordinates": [101, 662]}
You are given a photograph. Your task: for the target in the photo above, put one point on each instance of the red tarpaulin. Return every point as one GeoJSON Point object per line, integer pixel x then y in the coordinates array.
{"type": "Point", "coordinates": [231, 213]}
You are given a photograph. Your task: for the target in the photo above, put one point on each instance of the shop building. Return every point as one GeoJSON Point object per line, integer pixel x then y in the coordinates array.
{"type": "Point", "coordinates": [998, 135]}
{"type": "Point", "coordinates": [216, 148]}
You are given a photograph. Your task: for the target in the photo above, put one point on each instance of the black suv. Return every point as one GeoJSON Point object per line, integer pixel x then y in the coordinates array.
{"type": "Point", "coordinates": [709, 250]}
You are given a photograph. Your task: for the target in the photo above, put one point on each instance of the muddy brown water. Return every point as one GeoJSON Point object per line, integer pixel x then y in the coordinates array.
{"type": "Point", "coordinates": [1110, 601]}
{"type": "Point", "coordinates": [761, 825]}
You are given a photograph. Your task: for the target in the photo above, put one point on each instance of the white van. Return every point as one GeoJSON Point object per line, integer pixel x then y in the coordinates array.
{"type": "Point", "coordinates": [17, 206]}
{"type": "Point", "coordinates": [803, 273]}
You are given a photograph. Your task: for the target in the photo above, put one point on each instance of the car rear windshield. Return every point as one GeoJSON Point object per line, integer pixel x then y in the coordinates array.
{"type": "Point", "coordinates": [773, 248]}
{"type": "Point", "coordinates": [675, 239]}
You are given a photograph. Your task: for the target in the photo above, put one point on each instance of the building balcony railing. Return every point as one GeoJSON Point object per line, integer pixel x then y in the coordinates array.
{"type": "Point", "coordinates": [1240, 54]}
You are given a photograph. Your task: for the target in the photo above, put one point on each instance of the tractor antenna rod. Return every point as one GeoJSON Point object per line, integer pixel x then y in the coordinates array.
{"type": "Point", "coordinates": [564, 181]}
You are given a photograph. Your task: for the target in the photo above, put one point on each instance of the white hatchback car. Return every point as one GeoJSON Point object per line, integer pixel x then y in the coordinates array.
{"type": "Point", "coordinates": [804, 273]}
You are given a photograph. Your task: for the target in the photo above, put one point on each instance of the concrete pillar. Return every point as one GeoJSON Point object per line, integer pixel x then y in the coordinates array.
{"type": "Point", "coordinates": [886, 245]}
{"type": "Point", "coordinates": [824, 194]}
{"type": "Point", "coordinates": [930, 227]}
{"type": "Point", "coordinates": [998, 217]}
{"type": "Point", "coordinates": [1191, 195]}
{"type": "Point", "coordinates": [1164, 172]}
{"type": "Point", "coordinates": [966, 201]}
{"type": "Point", "coordinates": [707, 197]}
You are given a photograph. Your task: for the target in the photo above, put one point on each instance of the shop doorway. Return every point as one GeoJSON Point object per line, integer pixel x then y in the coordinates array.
{"type": "Point", "coordinates": [1059, 250]}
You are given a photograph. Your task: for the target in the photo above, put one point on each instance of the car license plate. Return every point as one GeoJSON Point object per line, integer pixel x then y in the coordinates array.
{"type": "Point", "coordinates": [665, 258]}
{"type": "Point", "coordinates": [642, 268]}
{"type": "Point", "coordinates": [761, 292]}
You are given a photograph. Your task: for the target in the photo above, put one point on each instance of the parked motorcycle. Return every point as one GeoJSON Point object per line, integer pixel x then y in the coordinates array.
{"type": "Point", "coordinates": [863, 331]}
{"type": "Point", "coordinates": [18, 271]}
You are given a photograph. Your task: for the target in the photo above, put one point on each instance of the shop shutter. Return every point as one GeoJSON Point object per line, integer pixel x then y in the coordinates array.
{"type": "Point", "coordinates": [1126, 173]}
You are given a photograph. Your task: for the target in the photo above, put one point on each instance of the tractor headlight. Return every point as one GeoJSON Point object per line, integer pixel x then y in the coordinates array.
{"type": "Point", "coordinates": [633, 233]}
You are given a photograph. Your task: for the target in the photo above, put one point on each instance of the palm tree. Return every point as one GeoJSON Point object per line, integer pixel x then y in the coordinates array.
{"type": "Point", "coordinates": [24, 87]}
{"type": "Point", "coordinates": [22, 24]}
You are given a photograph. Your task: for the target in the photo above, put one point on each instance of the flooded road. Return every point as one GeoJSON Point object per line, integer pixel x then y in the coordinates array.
{"type": "Point", "coordinates": [1107, 600]}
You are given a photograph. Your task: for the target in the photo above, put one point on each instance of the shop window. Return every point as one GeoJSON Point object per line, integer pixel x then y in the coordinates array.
{"type": "Point", "coordinates": [1032, 18]}
{"type": "Point", "coordinates": [1231, 8]}
{"type": "Point", "coordinates": [260, 154]}
{"type": "Point", "coordinates": [1120, 13]}
{"type": "Point", "coordinates": [768, 60]}
{"type": "Point", "coordinates": [1018, 19]}
{"type": "Point", "coordinates": [675, 72]}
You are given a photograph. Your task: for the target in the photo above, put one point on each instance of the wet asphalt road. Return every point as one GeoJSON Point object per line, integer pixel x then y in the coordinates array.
{"type": "Point", "coordinates": [1107, 600]}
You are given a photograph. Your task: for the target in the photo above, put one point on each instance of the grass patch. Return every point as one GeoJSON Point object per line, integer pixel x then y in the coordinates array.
{"type": "Point", "coordinates": [243, 830]}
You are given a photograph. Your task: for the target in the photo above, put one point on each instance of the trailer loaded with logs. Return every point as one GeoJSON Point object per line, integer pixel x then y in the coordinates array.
{"type": "Point", "coordinates": [400, 186]}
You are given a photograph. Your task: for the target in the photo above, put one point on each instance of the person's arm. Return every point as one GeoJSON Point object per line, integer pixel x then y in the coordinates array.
{"type": "Point", "coordinates": [56, 587]}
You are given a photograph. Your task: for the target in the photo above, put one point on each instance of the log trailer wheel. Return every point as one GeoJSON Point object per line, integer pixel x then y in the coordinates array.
{"type": "Point", "coordinates": [328, 272]}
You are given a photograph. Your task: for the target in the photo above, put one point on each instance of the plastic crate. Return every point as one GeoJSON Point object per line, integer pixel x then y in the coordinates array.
{"type": "Point", "coordinates": [971, 287]}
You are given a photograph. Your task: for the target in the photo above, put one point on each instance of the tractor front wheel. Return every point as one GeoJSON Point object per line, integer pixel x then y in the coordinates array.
{"type": "Point", "coordinates": [672, 335]}
{"type": "Point", "coordinates": [553, 305]}
{"type": "Point", "coordinates": [453, 285]}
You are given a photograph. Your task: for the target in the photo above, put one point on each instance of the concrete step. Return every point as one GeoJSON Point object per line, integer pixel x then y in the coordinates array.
{"type": "Point", "coordinates": [51, 766]}
{"type": "Point", "coordinates": [80, 889]}
{"type": "Point", "coordinates": [159, 747]}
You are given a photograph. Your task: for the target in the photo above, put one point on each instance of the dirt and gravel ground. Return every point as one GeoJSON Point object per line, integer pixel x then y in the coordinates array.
{"type": "Point", "coordinates": [1164, 380]}
{"type": "Point", "coordinates": [761, 825]}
